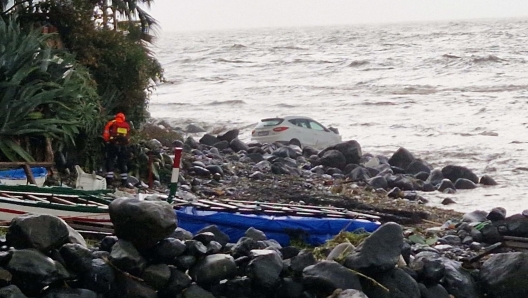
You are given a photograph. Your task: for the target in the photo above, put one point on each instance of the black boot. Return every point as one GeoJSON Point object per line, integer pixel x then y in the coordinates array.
{"type": "Point", "coordinates": [109, 182]}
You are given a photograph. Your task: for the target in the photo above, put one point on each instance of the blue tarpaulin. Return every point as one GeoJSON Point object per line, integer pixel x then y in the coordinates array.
{"type": "Point", "coordinates": [19, 174]}
{"type": "Point", "coordinates": [311, 230]}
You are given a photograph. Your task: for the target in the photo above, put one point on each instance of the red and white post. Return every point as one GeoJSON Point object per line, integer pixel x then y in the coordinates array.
{"type": "Point", "coordinates": [175, 173]}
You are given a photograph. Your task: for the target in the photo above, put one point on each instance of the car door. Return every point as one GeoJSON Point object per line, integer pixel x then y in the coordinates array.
{"type": "Point", "coordinates": [304, 133]}
{"type": "Point", "coordinates": [322, 137]}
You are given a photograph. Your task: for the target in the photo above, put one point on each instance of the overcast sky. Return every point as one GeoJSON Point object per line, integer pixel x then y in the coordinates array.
{"type": "Point", "coordinates": [190, 15]}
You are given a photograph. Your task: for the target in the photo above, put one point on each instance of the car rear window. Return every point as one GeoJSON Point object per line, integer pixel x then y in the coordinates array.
{"type": "Point", "coordinates": [271, 121]}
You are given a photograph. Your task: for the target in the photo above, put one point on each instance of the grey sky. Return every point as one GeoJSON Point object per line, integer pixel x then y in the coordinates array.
{"type": "Point", "coordinates": [185, 15]}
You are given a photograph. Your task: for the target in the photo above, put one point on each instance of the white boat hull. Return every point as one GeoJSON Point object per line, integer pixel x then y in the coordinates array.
{"type": "Point", "coordinates": [8, 211]}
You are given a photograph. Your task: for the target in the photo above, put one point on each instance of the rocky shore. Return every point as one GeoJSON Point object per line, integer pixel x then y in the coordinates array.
{"type": "Point", "coordinates": [149, 256]}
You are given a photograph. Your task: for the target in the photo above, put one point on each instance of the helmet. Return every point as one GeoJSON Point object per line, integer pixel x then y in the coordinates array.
{"type": "Point", "coordinates": [120, 117]}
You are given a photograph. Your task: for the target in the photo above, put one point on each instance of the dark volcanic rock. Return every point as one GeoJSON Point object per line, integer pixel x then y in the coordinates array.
{"type": "Point", "coordinates": [435, 177]}
{"type": "Point", "coordinates": [446, 184]}
{"type": "Point", "coordinates": [126, 257]}
{"type": "Point", "coordinates": [178, 281]}
{"type": "Point", "coordinates": [255, 234]}
{"type": "Point", "coordinates": [157, 276]}
{"type": "Point", "coordinates": [290, 288]}
{"type": "Point", "coordinates": [229, 135]}
{"type": "Point", "coordinates": [399, 283]}
{"type": "Point", "coordinates": [195, 291]}
{"type": "Point", "coordinates": [380, 251]}
{"type": "Point", "coordinates": [42, 232]}
{"type": "Point", "coordinates": [497, 213]}
{"type": "Point", "coordinates": [475, 216]}
{"type": "Point", "coordinates": [351, 150]}
{"type": "Point", "coordinates": [504, 275]}
{"type": "Point", "coordinates": [359, 174]}
{"type": "Point", "coordinates": [32, 271]}
{"type": "Point", "coordinates": [418, 166]}
{"type": "Point", "coordinates": [487, 180]}
{"type": "Point", "coordinates": [402, 158]}
{"type": "Point", "coordinates": [220, 236]}
{"type": "Point", "coordinates": [168, 249]}
{"type": "Point", "coordinates": [285, 152]}
{"type": "Point", "coordinates": [212, 269]}
{"type": "Point", "coordinates": [304, 259]}
{"type": "Point", "coordinates": [100, 278]}
{"type": "Point", "coordinates": [433, 291]}
{"type": "Point", "coordinates": [204, 237]}
{"type": "Point", "coordinates": [327, 276]}
{"type": "Point", "coordinates": [517, 225]}
{"type": "Point", "coordinates": [78, 258]}
{"type": "Point", "coordinates": [237, 145]}
{"type": "Point", "coordinates": [107, 243]}
{"type": "Point", "coordinates": [209, 140]}
{"type": "Point", "coordinates": [11, 291]}
{"type": "Point", "coordinates": [264, 268]}
{"type": "Point", "coordinates": [70, 293]}
{"type": "Point", "coordinates": [143, 223]}
{"type": "Point", "coordinates": [132, 288]}
{"type": "Point", "coordinates": [453, 173]}
{"type": "Point", "coordinates": [462, 183]}
{"type": "Point", "coordinates": [333, 159]}
{"type": "Point", "coordinates": [378, 182]}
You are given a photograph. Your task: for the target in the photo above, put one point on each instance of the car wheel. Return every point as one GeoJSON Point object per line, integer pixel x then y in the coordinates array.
{"type": "Point", "coordinates": [296, 142]}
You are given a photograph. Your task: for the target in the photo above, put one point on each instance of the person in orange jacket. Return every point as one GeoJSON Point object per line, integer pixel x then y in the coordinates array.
{"type": "Point", "coordinates": [116, 135]}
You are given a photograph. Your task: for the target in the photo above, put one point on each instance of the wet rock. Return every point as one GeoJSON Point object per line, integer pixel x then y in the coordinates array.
{"type": "Point", "coordinates": [304, 259]}
{"type": "Point", "coordinates": [156, 276]}
{"type": "Point", "coordinates": [229, 135]}
{"type": "Point", "coordinates": [402, 182]}
{"type": "Point", "coordinates": [237, 145]}
{"type": "Point", "coordinates": [255, 234]}
{"type": "Point", "coordinates": [349, 293]}
{"type": "Point", "coordinates": [204, 237]}
{"type": "Point", "coordinates": [399, 283]}
{"type": "Point", "coordinates": [178, 281]}
{"type": "Point", "coordinates": [75, 237]}
{"type": "Point", "coordinates": [264, 268]}
{"type": "Point", "coordinates": [100, 278]}
{"type": "Point", "coordinates": [378, 252]}
{"type": "Point", "coordinates": [32, 271]}
{"type": "Point", "coordinates": [195, 248]}
{"type": "Point", "coordinates": [430, 272]}
{"type": "Point", "coordinates": [327, 276]}
{"type": "Point", "coordinates": [238, 287]}
{"type": "Point", "coordinates": [209, 140]}
{"type": "Point", "coordinates": [454, 173]}
{"type": "Point", "coordinates": [257, 175]}
{"type": "Point", "coordinates": [191, 142]}
{"type": "Point", "coordinates": [290, 288]}
{"type": "Point", "coordinates": [213, 247]}
{"type": "Point", "coordinates": [107, 243]}
{"type": "Point", "coordinates": [126, 257]}
{"type": "Point", "coordinates": [448, 201]}
{"type": "Point", "coordinates": [433, 291]}
{"type": "Point", "coordinates": [490, 234]}
{"type": "Point", "coordinates": [333, 159]}
{"type": "Point", "coordinates": [168, 249]}
{"type": "Point", "coordinates": [285, 152]}
{"type": "Point", "coordinates": [132, 288]}
{"type": "Point", "coordinates": [200, 171]}
{"type": "Point", "coordinates": [351, 150]}
{"type": "Point", "coordinates": [402, 158]}
{"type": "Point", "coordinates": [378, 182]}
{"type": "Point", "coordinates": [487, 180]}
{"type": "Point", "coordinates": [517, 225]}
{"type": "Point", "coordinates": [504, 275]}
{"type": "Point", "coordinates": [70, 293]}
{"type": "Point", "coordinates": [143, 223]}
{"type": "Point", "coordinates": [215, 169]}
{"type": "Point", "coordinates": [458, 281]}
{"type": "Point", "coordinates": [446, 184]}
{"type": "Point", "coordinates": [450, 239]}
{"type": "Point", "coordinates": [289, 252]}
{"type": "Point", "coordinates": [244, 246]}
{"type": "Point", "coordinates": [195, 291]}
{"type": "Point", "coordinates": [418, 166]}
{"type": "Point", "coordinates": [77, 257]}
{"type": "Point", "coordinates": [11, 291]}
{"type": "Point", "coordinates": [359, 174]}
{"type": "Point", "coordinates": [185, 262]}
{"type": "Point", "coordinates": [5, 278]}
{"type": "Point", "coordinates": [220, 236]}
{"type": "Point", "coordinates": [497, 213]}
{"type": "Point", "coordinates": [212, 269]}
{"type": "Point", "coordinates": [422, 176]}
{"type": "Point", "coordinates": [42, 232]}
{"type": "Point", "coordinates": [462, 183]}
{"type": "Point", "coordinates": [435, 177]}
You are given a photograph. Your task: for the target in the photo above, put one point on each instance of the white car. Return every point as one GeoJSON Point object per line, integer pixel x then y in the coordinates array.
{"type": "Point", "coordinates": [305, 130]}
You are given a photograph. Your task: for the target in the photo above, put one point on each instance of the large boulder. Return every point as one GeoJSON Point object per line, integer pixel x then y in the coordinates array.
{"type": "Point", "coordinates": [42, 232]}
{"type": "Point", "coordinates": [504, 275]}
{"type": "Point", "coordinates": [516, 225]}
{"type": "Point", "coordinates": [402, 158]}
{"type": "Point", "coordinates": [351, 150]}
{"type": "Point", "coordinates": [143, 223]}
{"type": "Point", "coordinates": [453, 173]}
{"type": "Point", "coordinates": [265, 267]}
{"type": "Point", "coordinates": [418, 166]}
{"type": "Point", "coordinates": [212, 269]}
{"type": "Point", "coordinates": [209, 140]}
{"type": "Point", "coordinates": [399, 283]}
{"type": "Point", "coordinates": [77, 257]}
{"type": "Point", "coordinates": [327, 276]}
{"type": "Point", "coordinates": [229, 135]}
{"type": "Point", "coordinates": [237, 145]}
{"type": "Point", "coordinates": [333, 159]}
{"type": "Point", "coordinates": [126, 257]}
{"type": "Point", "coordinates": [32, 271]}
{"type": "Point", "coordinates": [380, 251]}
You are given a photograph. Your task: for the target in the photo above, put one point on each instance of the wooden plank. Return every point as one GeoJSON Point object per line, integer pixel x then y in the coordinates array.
{"type": "Point", "coordinates": [29, 174]}
{"type": "Point", "coordinates": [61, 201]}
{"type": "Point", "coordinates": [34, 198]}
{"type": "Point", "coordinates": [227, 206]}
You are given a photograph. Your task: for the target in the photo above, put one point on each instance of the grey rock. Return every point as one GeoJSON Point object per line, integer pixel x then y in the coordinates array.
{"type": "Point", "coordinates": [380, 251]}
{"type": "Point", "coordinates": [213, 247]}
{"type": "Point", "coordinates": [204, 237]}
{"type": "Point", "coordinates": [69, 293]}
{"type": "Point", "coordinates": [435, 177]}
{"type": "Point", "coordinates": [255, 234]}
{"type": "Point", "coordinates": [221, 145]}
{"type": "Point", "coordinates": [126, 257]}
{"type": "Point", "coordinates": [195, 291]}
{"type": "Point", "coordinates": [475, 216]}
{"type": "Point", "coordinates": [402, 158]}
{"type": "Point", "coordinates": [193, 128]}
{"type": "Point", "coordinates": [290, 288]}
{"type": "Point", "coordinates": [497, 213]}
{"type": "Point", "coordinates": [212, 269]}
{"type": "Point", "coordinates": [107, 242]}
{"type": "Point", "coordinates": [333, 159]}
{"type": "Point", "coordinates": [11, 291]}
{"type": "Point", "coordinates": [418, 166]}
{"type": "Point", "coordinates": [168, 249]}
{"type": "Point", "coordinates": [100, 278]}
{"type": "Point", "coordinates": [132, 288]}
{"type": "Point", "coordinates": [399, 283]}
{"type": "Point", "coordinates": [348, 293]}
{"type": "Point", "coordinates": [184, 262]}
{"type": "Point", "coordinates": [327, 276]}
{"type": "Point", "coordinates": [178, 281]}
{"type": "Point", "coordinates": [487, 180]}
{"type": "Point", "coordinates": [229, 135]}
{"type": "Point", "coordinates": [156, 276]}
{"type": "Point", "coordinates": [42, 232]}
{"type": "Point", "coordinates": [208, 139]}
{"type": "Point", "coordinates": [378, 182]}
{"type": "Point", "coordinates": [77, 257]}
{"type": "Point", "coordinates": [340, 252]}
{"type": "Point", "coordinates": [463, 183]}
{"type": "Point", "coordinates": [304, 259]}
{"type": "Point", "coordinates": [220, 236]}
{"type": "Point", "coordinates": [504, 275]}
{"type": "Point", "coordinates": [446, 184]}
{"type": "Point", "coordinates": [359, 174]}
{"type": "Point", "coordinates": [195, 248]}
{"type": "Point", "coordinates": [143, 223]}
{"type": "Point", "coordinates": [237, 145]}
{"type": "Point", "coordinates": [453, 173]}
{"type": "Point", "coordinates": [433, 291]}
{"type": "Point", "coordinates": [265, 268]}
{"type": "Point", "coordinates": [244, 246]}
{"type": "Point", "coordinates": [285, 151]}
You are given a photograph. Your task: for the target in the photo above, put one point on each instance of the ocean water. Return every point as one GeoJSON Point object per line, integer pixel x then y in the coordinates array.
{"type": "Point", "coordinates": [449, 92]}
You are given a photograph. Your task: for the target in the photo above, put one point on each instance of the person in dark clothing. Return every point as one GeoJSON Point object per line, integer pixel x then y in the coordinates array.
{"type": "Point", "coordinates": [116, 135]}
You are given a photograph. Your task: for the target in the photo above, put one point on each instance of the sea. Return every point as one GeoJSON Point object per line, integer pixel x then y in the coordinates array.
{"type": "Point", "coordinates": [452, 93]}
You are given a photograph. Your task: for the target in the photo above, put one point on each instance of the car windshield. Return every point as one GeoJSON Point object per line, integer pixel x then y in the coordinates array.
{"type": "Point", "coordinates": [271, 121]}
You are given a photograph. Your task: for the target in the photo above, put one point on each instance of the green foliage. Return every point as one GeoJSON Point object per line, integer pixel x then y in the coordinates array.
{"type": "Point", "coordinates": [44, 93]}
